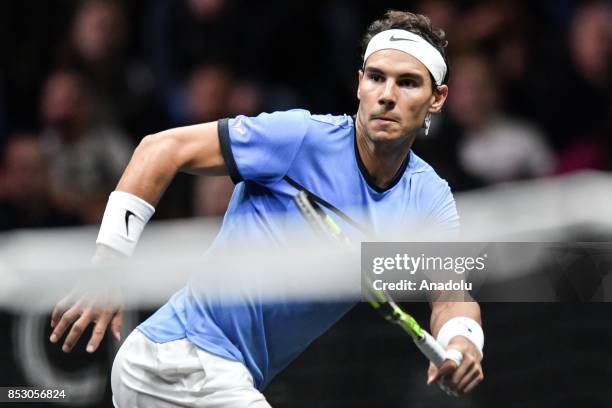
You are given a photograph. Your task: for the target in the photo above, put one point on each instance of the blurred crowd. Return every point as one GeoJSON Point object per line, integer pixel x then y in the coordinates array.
{"type": "Point", "coordinates": [81, 82]}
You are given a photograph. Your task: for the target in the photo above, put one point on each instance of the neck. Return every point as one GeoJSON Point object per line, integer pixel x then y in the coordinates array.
{"type": "Point", "coordinates": [382, 160]}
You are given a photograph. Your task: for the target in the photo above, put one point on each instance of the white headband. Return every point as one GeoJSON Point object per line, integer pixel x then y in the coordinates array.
{"type": "Point", "coordinates": [412, 44]}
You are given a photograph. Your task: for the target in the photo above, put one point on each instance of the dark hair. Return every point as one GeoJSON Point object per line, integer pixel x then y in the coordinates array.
{"type": "Point", "coordinates": [415, 23]}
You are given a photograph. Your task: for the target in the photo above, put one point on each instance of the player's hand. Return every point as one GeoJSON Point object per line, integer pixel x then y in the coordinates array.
{"type": "Point", "coordinates": [80, 308]}
{"type": "Point", "coordinates": [463, 378]}
{"type": "Point", "coordinates": [85, 305]}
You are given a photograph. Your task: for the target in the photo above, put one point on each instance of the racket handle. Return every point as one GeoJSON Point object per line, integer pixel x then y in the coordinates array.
{"type": "Point", "coordinates": [431, 348]}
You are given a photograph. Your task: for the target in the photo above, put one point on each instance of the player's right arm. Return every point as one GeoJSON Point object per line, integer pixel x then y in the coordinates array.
{"type": "Point", "coordinates": [259, 149]}
{"type": "Point", "coordinates": [194, 149]}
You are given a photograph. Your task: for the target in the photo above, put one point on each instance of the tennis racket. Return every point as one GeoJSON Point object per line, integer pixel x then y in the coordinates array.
{"type": "Point", "coordinates": [329, 230]}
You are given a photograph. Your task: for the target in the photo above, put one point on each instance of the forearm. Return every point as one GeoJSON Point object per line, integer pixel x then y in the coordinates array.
{"type": "Point", "coordinates": [155, 162]}
{"type": "Point", "coordinates": [151, 169]}
{"type": "Point", "coordinates": [444, 311]}
{"type": "Point", "coordinates": [146, 177]}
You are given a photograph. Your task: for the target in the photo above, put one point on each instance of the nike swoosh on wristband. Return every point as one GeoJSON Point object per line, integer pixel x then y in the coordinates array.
{"type": "Point", "coordinates": [127, 222]}
{"type": "Point", "coordinates": [394, 38]}
{"type": "Point", "coordinates": [467, 327]}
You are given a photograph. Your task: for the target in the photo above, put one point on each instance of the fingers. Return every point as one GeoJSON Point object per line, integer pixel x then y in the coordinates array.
{"type": "Point", "coordinates": [98, 332]}
{"type": "Point", "coordinates": [99, 306]}
{"type": "Point", "coordinates": [67, 318]}
{"type": "Point", "coordinates": [431, 373]}
{"type": "Point", "coordinates": [455, 379]}
{"type": "Point", "coordinates": [470, 380]}
{"type": "Point", "coordinates": [466, 380]}
{"type": "Point", "coordinates": [77, 330]}
{"type": "Point", "coordinates": [59, 310]}
{"type": "Point", "coordinates": [469, 373]}
{"type": "Point", "coordinates": [474, 383]}
{"type": "Point", "coordinates": [80, 318]}
{"type": "Point", "coordinates": [466, 377]}
{"type": "Point", "coordinates": [446, 368]}
{"type": "Point", "coordinates": [116, 325]}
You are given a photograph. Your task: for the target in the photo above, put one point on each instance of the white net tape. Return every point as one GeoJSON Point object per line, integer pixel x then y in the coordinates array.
{"type": "Point", "coordinates": [37, 267]}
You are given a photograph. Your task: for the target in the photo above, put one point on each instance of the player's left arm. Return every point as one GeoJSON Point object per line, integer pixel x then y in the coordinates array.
{"type": "Point", "coordinates": [457, 325]}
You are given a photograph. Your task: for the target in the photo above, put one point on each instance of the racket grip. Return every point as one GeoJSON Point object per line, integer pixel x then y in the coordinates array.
{"type": "Point", "coordinates": [431, 348]}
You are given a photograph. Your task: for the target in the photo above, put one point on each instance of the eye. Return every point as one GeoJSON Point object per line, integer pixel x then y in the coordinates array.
{"type": "Point", "coordinates": [376, 77]}
{"type": "Point", "coordinates": [407, 83]}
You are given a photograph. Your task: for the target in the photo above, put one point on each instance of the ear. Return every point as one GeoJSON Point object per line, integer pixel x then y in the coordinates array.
{"type": "Point", "coordinates": [359, 79]}
{"type": "Point", "coordinates": [439, 98]}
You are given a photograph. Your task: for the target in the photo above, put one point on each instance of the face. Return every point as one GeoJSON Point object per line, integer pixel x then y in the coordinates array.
{"type": "Point", "coordinates": [395, 94]}
{"type": "Point", "coordinates": [25, 169]}
{"type": "Point", "coordinates": [63, 100]}
{"type": "Point", "coordinates": [99, 31]}
{"type": "Point", "coordinates": [208, 92]}
{"type": "Point", "coordinates": [474, 95]}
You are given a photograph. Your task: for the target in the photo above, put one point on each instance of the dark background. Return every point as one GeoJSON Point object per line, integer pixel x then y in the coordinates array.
{"type": "Point", "coordinates": [81, 82]}
{"type": "Point", "coordinates": [536, 355]}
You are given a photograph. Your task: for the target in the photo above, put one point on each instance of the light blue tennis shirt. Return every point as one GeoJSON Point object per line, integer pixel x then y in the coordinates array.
{"type": "Point", "coordinates": [319, 153]}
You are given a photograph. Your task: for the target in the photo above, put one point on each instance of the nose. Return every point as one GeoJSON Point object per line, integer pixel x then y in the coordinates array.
{"type": "Point", "coordinates": [388, 96]}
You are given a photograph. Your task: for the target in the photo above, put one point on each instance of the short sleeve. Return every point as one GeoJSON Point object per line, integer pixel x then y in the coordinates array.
{"type": "Point", "coordinates": [444, 211]}
{"type": "Point", "coordinates": [262, 148]}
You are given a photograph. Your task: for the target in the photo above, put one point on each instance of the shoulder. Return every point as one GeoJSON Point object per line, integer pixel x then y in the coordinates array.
{"type": "Point", "coordinates": [434, 197]}
{"type": "Point", "coordinates": [293, 117]}
{"type": "Point", "coordinates": [332, 121]}
{"type": "Point", "coordinates": [268, 127]}
{"type": "Point", "coordinates": [299, 117]}
{"type": "Point", "coordinates": [334, 130]}
{"type": "Point", "coordinates": [426, 182]}
{"type": "Point", "coordinates": [421, 170]}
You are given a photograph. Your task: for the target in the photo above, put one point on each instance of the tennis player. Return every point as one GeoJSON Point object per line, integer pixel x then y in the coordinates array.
{"type": "Point", "coordinates": [195, 352]}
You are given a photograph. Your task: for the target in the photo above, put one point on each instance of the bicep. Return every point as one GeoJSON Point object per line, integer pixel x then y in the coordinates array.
{"type": "Point", "coordinates": [197, 149]}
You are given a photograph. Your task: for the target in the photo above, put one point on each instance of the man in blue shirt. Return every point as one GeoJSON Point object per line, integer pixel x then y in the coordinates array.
{"type": "Point", "coordinates": [197, 352]}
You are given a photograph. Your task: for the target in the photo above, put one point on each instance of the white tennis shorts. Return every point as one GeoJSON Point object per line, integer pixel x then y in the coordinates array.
{"type": "Point", "coordinates": [178, 374]}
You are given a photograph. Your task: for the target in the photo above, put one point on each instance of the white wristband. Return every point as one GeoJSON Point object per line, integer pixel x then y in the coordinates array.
{"type": "Point", "coordinates": [124, 219]}
{"type": "Point", "coordinates": [462, 326]}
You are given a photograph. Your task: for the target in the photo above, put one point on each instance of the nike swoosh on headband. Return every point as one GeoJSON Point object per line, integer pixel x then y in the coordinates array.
{"type": "Point", "coordinates": [413, 44]}
{"type": "Point", "coordinates": [394, 38]}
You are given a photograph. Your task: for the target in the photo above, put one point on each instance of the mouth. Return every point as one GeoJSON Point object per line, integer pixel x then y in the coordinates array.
{"type": "Point", "coordinates": [384, 119]}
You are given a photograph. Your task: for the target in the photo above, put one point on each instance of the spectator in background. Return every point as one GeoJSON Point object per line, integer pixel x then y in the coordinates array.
{"type": "Point", "coordinates": [442, 13]}
{"type": "Point", "coordinates": [208, 90]}
{"type": "Point", "coordinates": [586, 113]}
{"type": "Point", "coordinates": [590, 43]}
{"type": "Point", "coordinates": [499, 29]}
{"type": "Point", "coordinates": [494, 147]}
{"type": "Point", "coordinates": [26, 199]}
{"type": "Point", "coordinates": [213, 90]}
{"type": "Point", "coordinates": [245, 98]}
{"type": "Point", "coordinates": [181, 34]}
{"type": "Point", "coordinates": [122, 87]}
{"type": "Point", "coordinates": [86, 157]}
{"type": "Point", "coordinates": [473, 25]}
